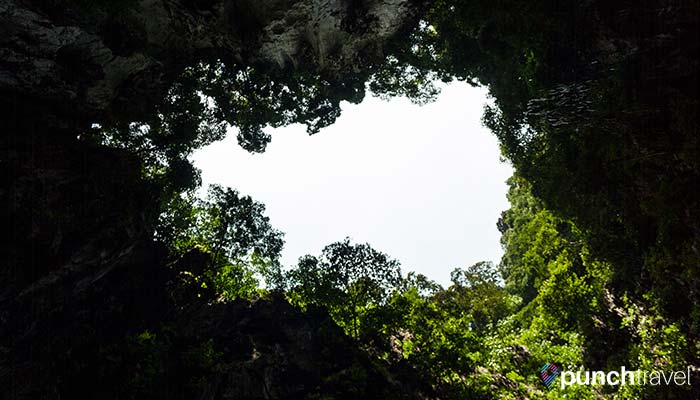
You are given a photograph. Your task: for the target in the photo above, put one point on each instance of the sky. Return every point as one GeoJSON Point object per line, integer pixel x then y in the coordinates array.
{"type": "Point", "coordinates": [424, 184]}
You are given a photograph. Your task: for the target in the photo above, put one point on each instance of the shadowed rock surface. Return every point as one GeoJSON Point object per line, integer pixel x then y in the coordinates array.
{"type": "Point", "coordinates": [86, 307]}
{"type": "Point", "coordinates": [101, 103]}
{"type": "Point", "coordinates": [88, 60]}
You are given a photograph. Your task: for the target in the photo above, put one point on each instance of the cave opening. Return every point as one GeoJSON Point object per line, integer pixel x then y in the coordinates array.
{"type": "Point", "coordinates": [425, 183]}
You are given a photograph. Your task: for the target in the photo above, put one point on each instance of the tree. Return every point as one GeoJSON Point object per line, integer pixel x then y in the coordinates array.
{"type": "Point", "coordinates": [221, 242]}
{"type": "Point", "coordinates": [478, 292]}
{"type": "Point", "coordinates": [348, 279]}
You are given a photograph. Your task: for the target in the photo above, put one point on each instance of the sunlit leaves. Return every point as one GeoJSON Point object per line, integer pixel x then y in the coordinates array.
{"type": "Point", "coordinates": [348, 279]}
{"type": "Point", "coordinates": [233, 236]}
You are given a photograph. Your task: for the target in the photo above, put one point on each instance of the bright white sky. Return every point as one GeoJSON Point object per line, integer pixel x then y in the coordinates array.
{"type": "Point", "coordinates": [423, 184]}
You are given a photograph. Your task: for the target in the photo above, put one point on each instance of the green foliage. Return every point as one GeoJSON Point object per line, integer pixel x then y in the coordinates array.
{"type": "Point", "coordinates": [220, 244]}
{"type": "Point", "coordinates": [149, 349]}
{"type": "Point", "coordinates": [477, 292]}
{"type": "Point", "coordinates": [146, 364]}
{"type": "Point", "coordinates": [435, 332]}
{"type": "Point", "coordinates": [227, 225]}
{"type": "Point", "coordinates": [533, 239]}
{"type": "Point", "coordinates": [571, 315]}
{"type": "Point", "coordinates": [235, 281]}
{"type": "Point", "coordinates": [485, 336]}
{"type": "Point", "coordinates": [212, 95]}
{"type": "Point", "coordinates": [349, 279]}
{"type": "Point", "coordinates": [605, 136]}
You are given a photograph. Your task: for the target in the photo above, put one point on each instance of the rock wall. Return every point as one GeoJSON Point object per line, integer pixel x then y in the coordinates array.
{"type": "Point", "coordinates": [85, 305]}
{"type": "Point", "coordinates": [91, 59]}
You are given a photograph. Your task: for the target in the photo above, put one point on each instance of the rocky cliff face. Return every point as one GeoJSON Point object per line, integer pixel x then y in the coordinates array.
{"type": "Point", "coordinates": [85, 309]}
{"type": "Point", "coordinates": [91, 59]}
